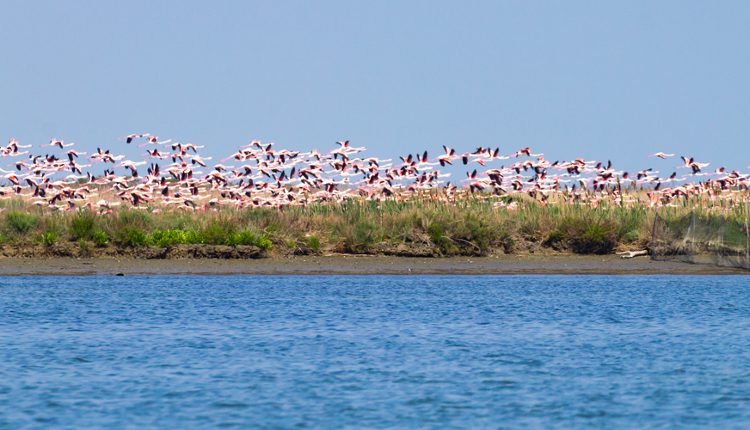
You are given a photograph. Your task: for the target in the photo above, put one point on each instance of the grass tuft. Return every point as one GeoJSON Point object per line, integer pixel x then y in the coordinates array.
{"type": "Point", "coordinates": [49, 238]}
{"type": "Point", "coordinates": [20, 223]}
{"type": "Point", "coordinates": [82, 225]}
{"type": "Point", "coordinates": [100, 238]}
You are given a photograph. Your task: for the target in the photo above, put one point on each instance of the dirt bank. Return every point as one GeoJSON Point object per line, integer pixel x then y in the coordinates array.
{"type": "Point", "coordinates": [351, 264]}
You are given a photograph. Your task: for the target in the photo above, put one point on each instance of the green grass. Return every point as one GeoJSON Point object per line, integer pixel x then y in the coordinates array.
{"type": "Point", "coordinates": [49, 238]}
{"type": "Point", "coordinates": [131, 237]}
{"type": "Point", "coordinates": [100, 238]}
{"type": "Point", "coordinates": [313, 243]}
{"type": "Point", "coordinates": [470, 226]}
{"type": "Point", "coordinates": [82, 225]}
{"type": "Point", "coordinates": [214, 234]}
{"type": "Point", "coordinates": [84, 248]}
{"type": "Point", "coordinates": [247, 237]}
{"type": "Point", "coordinates": [20, 223]}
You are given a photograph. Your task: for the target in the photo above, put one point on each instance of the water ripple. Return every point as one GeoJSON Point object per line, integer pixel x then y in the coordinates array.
{"type": "Point", "coordinates": [374, 351]}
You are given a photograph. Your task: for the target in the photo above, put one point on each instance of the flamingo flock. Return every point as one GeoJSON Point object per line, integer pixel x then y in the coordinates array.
{"type": "Point", "coordinates": [175, 175]}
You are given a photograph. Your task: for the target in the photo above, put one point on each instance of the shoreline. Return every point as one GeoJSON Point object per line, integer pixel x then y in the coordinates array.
{"type": "Point", "coordinates": [345, 264]}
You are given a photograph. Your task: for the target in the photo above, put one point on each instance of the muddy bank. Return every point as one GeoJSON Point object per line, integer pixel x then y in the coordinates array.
{"type": "Point", "coordinates": [351, 264]}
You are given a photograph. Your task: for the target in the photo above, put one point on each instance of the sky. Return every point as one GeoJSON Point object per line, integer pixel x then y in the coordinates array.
{"type": "Point", "coordinates": [601, 80]}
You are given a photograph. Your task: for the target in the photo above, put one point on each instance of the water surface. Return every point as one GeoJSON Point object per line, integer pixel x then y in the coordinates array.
{"type": "Point", "coordinates": [375, 351]}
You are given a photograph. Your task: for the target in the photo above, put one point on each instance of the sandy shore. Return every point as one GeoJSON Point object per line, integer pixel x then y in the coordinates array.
{"type": "Point", "coordinates": [350, 264]}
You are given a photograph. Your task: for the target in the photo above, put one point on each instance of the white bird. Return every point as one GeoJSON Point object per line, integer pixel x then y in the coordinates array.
{"type": "Point", "coordinates": [662, 155]}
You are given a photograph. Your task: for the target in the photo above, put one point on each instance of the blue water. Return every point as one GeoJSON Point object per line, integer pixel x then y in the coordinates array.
{"type": "Point", "coordinates": [375, 351]}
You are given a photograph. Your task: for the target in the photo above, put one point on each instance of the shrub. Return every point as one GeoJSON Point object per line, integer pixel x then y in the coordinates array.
{"type": "Point", "coordinates": [160, 238]}
{"type": "Point", "coordinates": [265, 244]}
{"type": "Point", "coordinates": [291, 244]}
{"type": "Point", "coordinates": [131, 236]}
{"type": "Point", "coordinates": [134, 218]}
{"type": "Point", "coordinates": [479, 233]}
{"type": "Point", "coordinates": [82, 225]}
{"type": "Point", "coordinates": [583, 235]}
{"type": "Point", "coordinates": [313, 242]}
{"type": "Point", "coordinates": [471, 235]}
{"type": "Point", "coordinates": [84, 247]}
{"type": "Point", "coordinates": [100, 238]}
{"type": "Point", "coordinates": [359, 239]}
{"type": "Point", "coordinates": [437, 235]}
{"type": "Point", "coordinates": [591, 237]}
{"type": "Point", "coordinates": [631, 236]}
{"type": "Point", "coordinates": [20, 222]}
{"type": "Point", "coordinates": [596, 239]}
{"type": "Point", "coordinates": [171, 237]}
{"type": "Point", "coordinates": [436, 232]}
{"type": "Point", "coordinates": [217, 233]}
{"type": "Point", "coordinates": [167, 238]}
{"type": "Point", "coordinates": [49, 238]}
{"type": "Point", "coordinates": [246, 237]}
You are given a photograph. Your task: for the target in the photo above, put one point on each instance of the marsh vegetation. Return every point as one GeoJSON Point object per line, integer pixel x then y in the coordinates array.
{"type": "Point", "coordinates": [424, 227]}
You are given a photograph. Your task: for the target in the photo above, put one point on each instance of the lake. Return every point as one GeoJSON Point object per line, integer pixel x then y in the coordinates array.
{"type": "Point", "coordinates": [374, 351]}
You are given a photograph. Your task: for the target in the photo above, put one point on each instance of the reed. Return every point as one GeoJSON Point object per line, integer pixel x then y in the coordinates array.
{"type": "Point", "coordinates": [420, 226]}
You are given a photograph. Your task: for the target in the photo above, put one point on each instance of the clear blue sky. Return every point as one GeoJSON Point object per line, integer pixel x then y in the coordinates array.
{"type": "Point", "coordinates": [569, 78]}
